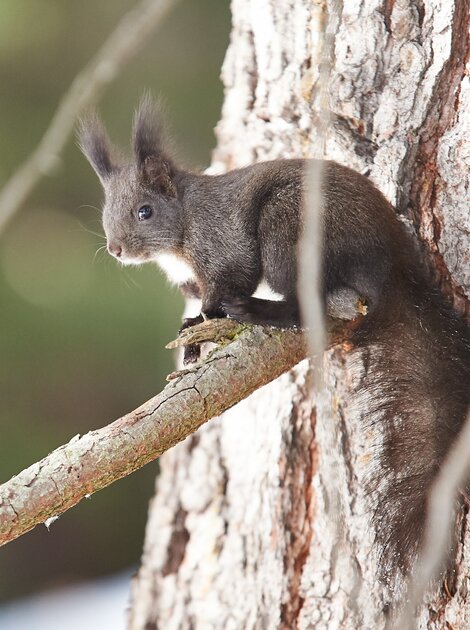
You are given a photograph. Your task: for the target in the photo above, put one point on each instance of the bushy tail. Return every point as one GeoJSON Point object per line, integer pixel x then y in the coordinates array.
{"type": "Point", "coordinates": [418, 380]}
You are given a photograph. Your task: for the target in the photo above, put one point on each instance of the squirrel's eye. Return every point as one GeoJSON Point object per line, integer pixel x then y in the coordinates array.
{"type": "Point", "coordinates": [145, 212]}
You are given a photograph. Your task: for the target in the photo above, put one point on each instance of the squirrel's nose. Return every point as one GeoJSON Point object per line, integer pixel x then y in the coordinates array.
{"type": "Point", "coordinates": [115, 250]}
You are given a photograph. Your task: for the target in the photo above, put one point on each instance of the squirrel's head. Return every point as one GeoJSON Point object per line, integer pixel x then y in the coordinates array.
{"type": "Point", "coordinates": [142, 216]}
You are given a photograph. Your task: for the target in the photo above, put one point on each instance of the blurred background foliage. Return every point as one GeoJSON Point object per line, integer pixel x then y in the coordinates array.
{"type": "Point", "coordinates": [82, 340]}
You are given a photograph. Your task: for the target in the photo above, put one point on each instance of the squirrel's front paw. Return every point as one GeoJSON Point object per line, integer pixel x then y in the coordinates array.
{"type": "Point", "coordinates": [190, 321]}
{"type": "Point", "coordinates": [191, 354]}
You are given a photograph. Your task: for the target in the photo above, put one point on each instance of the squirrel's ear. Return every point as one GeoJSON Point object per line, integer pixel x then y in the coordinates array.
{"type": "Point", "coordinates": [148, 141]}
{"type": "Point", "coordinates": [147, 131]}
{"type": "Point", "coordinates": [95, 145]}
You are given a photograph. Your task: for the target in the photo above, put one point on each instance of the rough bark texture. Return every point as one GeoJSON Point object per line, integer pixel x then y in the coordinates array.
{"type": "Point", "coordinates": [240, 535]}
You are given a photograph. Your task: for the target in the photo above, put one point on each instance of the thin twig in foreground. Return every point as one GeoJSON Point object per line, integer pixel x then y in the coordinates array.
{"type": "Point", "coordinates": [124, 42]}
{"type": "Point", "coordinates": [324, 25]}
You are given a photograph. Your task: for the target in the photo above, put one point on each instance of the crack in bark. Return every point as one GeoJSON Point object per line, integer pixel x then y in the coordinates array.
{"type": "Point", "coordinates": [202, 369]}
{"type": "Point", "coordinates": [177, 546]}
{"type": "Point", "coordinates": [132, 437]}
{"type": "Point", "coordinates": [252, 72]}
{"type": "Point", "coordinates": [387, 13]}
{"type": "Point", "coordinates": [347, 451]}
{"type": "Point", "coordinates": [16, 517]}
{"type": "Point", "coordinates": [352, 483]}
{"type": "Point", "coordinates": [54, 483]}
{"type": "Point", "coordinates": [142, 415]}
{"type": "Point", "coordinates": [419, 171]}
{"type": "Point", "coordinates": [300, 468]}
{"type": "Point", "coordinates": [204, 402]}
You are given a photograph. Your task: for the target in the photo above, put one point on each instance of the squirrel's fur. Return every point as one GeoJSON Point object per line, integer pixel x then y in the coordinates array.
{"type": "Point", "coordinates": [230, 232]}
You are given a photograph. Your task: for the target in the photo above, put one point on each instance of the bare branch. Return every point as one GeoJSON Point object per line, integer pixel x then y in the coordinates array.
{"type": "Point", "coordinates": [86, 464]}
{"type": "Point", "coordinates": [94, 461]}
{"type": "Point", "coordinates": [124, 42]}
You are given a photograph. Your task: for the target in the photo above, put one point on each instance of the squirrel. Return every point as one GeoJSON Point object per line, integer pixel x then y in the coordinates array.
{"type": "Point", "coordinates": [219, 237]}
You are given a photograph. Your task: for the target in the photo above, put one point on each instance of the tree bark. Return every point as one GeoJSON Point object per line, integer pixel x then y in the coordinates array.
{"type": "Point", "coordinates": [240, 534]}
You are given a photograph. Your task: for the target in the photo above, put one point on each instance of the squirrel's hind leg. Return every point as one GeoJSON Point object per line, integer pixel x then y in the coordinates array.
{"type": "Point", "coordinates": [281, 314]}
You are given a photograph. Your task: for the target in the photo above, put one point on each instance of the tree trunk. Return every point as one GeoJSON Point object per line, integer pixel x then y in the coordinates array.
{"type": "Point", "coordinates": [240, 534]}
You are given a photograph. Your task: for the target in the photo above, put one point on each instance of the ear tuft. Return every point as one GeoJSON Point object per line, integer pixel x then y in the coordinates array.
{"type": "Point", "coordinates": [95, 145]}
{"type": "Point", "coordinates": [149, 140]}
{"type": "Point", "coordinates": [147, 134]}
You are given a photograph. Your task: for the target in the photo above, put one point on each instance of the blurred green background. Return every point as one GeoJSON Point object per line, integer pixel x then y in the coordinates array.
{"type": "Point", "coordinates": [81, 339]}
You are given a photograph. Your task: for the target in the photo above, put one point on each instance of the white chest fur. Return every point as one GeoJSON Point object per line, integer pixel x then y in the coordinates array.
{"type": "Point", "coordinates": [264, 292]}
{"type": "Point", "coordinates": [177, 269]}
{"type": "Point", "coordinates": [179, 272]}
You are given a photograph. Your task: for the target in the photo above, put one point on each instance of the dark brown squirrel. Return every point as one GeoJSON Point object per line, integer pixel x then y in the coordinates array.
{"type": "Point", "coordinates": [219, 237]}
